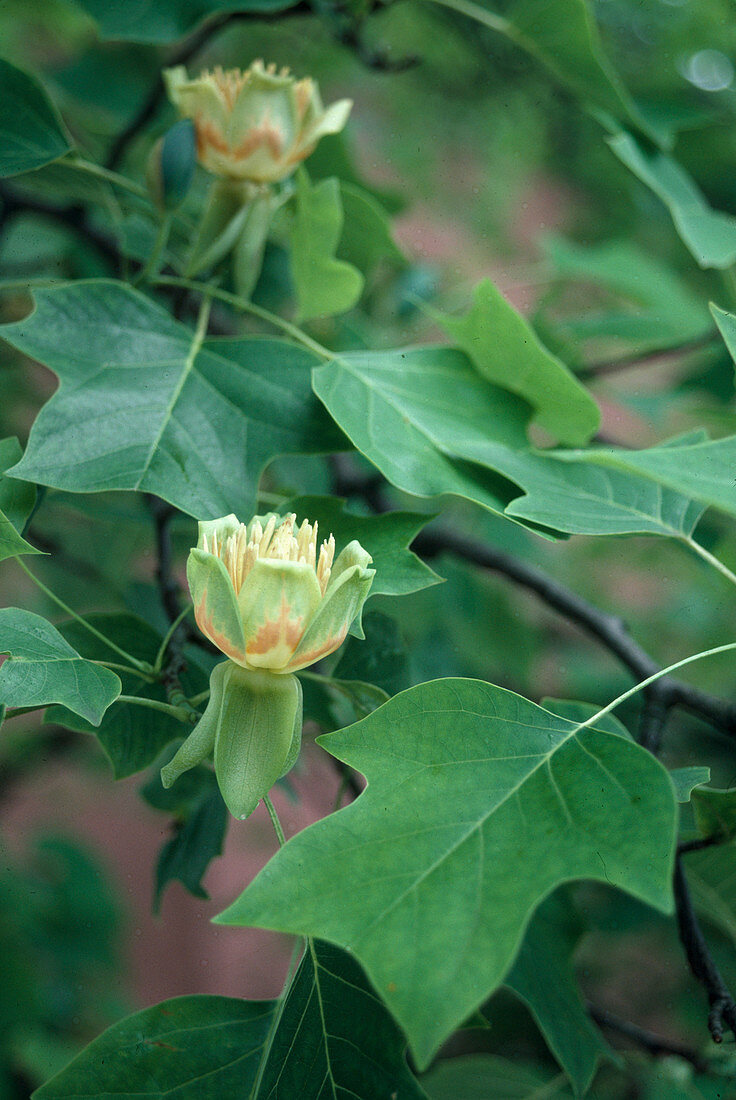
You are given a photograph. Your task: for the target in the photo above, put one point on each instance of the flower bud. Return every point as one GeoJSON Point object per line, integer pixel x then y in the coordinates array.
{"type": "Point", "coordinates": [171, 165]}
{"type": "Point", "coordinates": [256, 125]}
{"type": "Point", "coordinates": [268, 598]}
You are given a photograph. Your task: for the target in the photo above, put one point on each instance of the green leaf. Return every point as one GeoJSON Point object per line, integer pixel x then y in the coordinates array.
{"type": "Point", "coordinates": [11, 543]}
{"type": "Point", "coordinates": [564, 36]}
{"type": "Point", "coordinates": [334, 1037]}
{"type": "Point", "coordinates": [366, 234]}
{"type": "Point", "coordinates": [415, 413]}
{"type": "Point", "coordinates": [506, 351]}
{"type": "Point", "coordinates": [200, 823]}
{"type": "Point", "coordinates": [587, 500]}
{"type": "Point", "coordinates": [381, 659]}
{"type": "Point", "coordinates": [727, 327]}
{"type": "Point", "coordinates": [708, 234]}
{"type": "Point", "coordinates": [482, 1076]}
{"type": "Point", "coordinates": [178, 1048]}
{"type": "Point", "coordinates": [31, 132]}
{"type": "Point", "coordinates": [711, 875]}
{"type": "Point", "coordinates": [385, 537]}
{"type": "Point", "coordinates": [132, 736]}
{"type": "Point", "coordinates": [651, 306]}
{"type": "Point", "coordinates": [715, 811]}
{"type": "Point", "coordinates": [164, 20]}
{"type": "Point", "coordinates": [324, 285]}
{"type": "Point", "coordinates": [576, 711]}
{"type": "Point", "coordinates": [17, 498]}
{"type": "Point", "coordinates": [43, 668]}
{"type": "Point", "coordinates": [543, 977]}
{"type": "Point", "coordinates": [478, 804]}
{"type": "Point", "coordinates": [140, 407]}
{"type": "Point", "coordinates": [685, 780]}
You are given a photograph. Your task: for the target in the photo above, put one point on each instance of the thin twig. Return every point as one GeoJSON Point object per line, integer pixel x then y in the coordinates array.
{"type": "Point", "coordinates": [650, 358]}
{"type": "Point", "coordinates": [722, 1005]}
{"type": "Point", "coordinates": [655, 1044]}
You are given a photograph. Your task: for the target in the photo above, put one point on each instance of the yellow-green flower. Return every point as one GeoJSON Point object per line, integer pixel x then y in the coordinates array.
{"type": "Point", "coordinates": [268, 597]}
{"type": "Point", "coordinates": [256, 125]}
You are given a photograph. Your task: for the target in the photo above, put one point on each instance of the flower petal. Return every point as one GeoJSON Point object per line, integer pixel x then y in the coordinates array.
{"type": "Point", "coordinates": [277, 603]}
{"type": "Point", "coordinates": [215, 605]}
{"type": "Point", "coordinates": [342, 601]}
{"type": "Point", "coordinates": [223, 528]}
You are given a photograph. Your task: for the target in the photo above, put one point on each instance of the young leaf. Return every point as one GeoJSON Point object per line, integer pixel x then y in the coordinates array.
{"type": "Point", "coordinates": [43, 668]}
{"type": "Point", "coordinates": [324, 285]}
{"type": "Point", "coordinates": [31, 132]}
{"type": "Point", "coordinates": [141, 407]}
{"type": "Point", "coordinates": [177, 1048]}
{"type": "Point", "coordinates": [386, 538]}
{"type": "Point", "coordinates": [543, 977]}
{"type": "Point", "coordinates": [709, 235]}
{"type": "Point", "coordinates": [478, 804]}
{"type": "Point", "coordinates": [685, 780]}
{"type": "Point", "coordinates": [334, 1037]}
{"type": "Point", "coordinates": [504, 348]}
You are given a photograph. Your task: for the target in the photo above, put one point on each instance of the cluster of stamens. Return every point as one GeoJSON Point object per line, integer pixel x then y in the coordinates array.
{"type": "Point", "coordinates": [230, 81]}
{"type": "Point", "coordinates": [239, 552]}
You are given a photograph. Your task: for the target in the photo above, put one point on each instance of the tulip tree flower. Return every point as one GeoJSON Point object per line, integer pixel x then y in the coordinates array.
{"type": "Point", "coordinates": [273, 603]}
{"type": "Point", "coordinates": [256, 125]}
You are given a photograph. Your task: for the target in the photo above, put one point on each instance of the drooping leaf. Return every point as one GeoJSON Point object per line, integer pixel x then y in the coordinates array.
{"type": "Point", "coordinates": [164, 20]}
{"type": "Point", "coordinates": [43, 668]}
{"type": "Point", "coordinates": [17, 498]}
{"type": "Point", "coordinates": [31, 132]}
{"type": "Point", "coordinates": [588, 500]}
{"type": "Point", "coordinates": [176, 1049]}
{"type": "Point", "coordinates": [478, 804]}
{"type": "Point", "coordinates": [385, 537]}
{"type": "Point", "coordinates": [11, 543]}
{"type": "Point", "coordinates": [543, 976]}
{"type": "Point", "coordinates": [366, 234]}
{"type": "Point", "coordinates": [651, 307]}
{"type": "Point", "coordinates": [685, 780]}
{"type": "Point", "coordinates": [506, 351]}
{"type": "Point", "coordinates": [481, 1076]}
{"type": "Point", "coordinates": [334, 1037]}
{"type": "Point", "coordinates": [140, 407]}
{"type": "Point", "coordinates": [709, 234]}
{"type": "Point", "coordinates": [324, 285]}
{"type": "Point", "coordinates": [199, 826]}
{"type": "Point", "coordinates": [132, 736]}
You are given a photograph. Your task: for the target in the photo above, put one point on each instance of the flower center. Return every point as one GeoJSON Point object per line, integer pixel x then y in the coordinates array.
{"type": "Point", "coordinates": [239, 552]}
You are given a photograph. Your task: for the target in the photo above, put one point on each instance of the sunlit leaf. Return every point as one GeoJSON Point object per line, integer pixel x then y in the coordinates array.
{"type": "Point", "coordinates": [324, 285]}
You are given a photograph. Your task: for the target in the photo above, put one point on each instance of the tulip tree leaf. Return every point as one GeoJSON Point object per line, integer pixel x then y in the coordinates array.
{"type": "Point", "coordinates": [423, 416]}
{"type": "Point", "coordinates": [470, 788]}
{"type": "Point", "coordinates": [31, 132]}
{"type": "Point", "coordinates": [685, 780]}
{"type": "Point", "coordinates": [324, 285]}
{"type": "Point", "coordinates": [563, 35]}
{"type": "Point", "coordinates": [709, 234]}
{"type": "Point", "coordinates": [171, 1050]}
{"type": "Point", "coordinates": [164, 20]}
{"type": "Point", "coordinates": [715, 811]}
{"type": "Point", "coordinates": [43, 668]}
{"type": "Point", "coordinates": [366, 235]}
{"type": "Point", "coordinates": [543, 977]}
{"type": "Point", "coordinates": [16, 503]}
{"type": "Point", "coordinates": [480, 1076]}
{"type": "Point", "coordinates": [334, 1037]}
{"type": "Point", "coordinates": [711, 876]}
{"type": "Point", "coordinates": [385, 537]}
{"type": "Point", "coordinates": [139, 407]}
{"type": "Point", "coordinates": [132, 736]}
{"type": "Point", "coordinates": [506, 351]}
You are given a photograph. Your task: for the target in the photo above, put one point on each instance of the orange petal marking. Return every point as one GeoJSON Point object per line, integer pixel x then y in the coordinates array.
{"type": "Point", "coordinates": [274, 632]}
{"type": "Point", "coordinates": [207, 626]}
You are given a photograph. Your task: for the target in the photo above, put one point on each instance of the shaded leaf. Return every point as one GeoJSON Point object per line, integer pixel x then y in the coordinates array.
{"type": "Point", "coordinates": [708, 234]}
{"type": "Point", "coordinates": [140, 407]}
{"type": "Point", "coordinates": [366, 234]}
{"type": "Point", "coordinates": [17, 498]}
{"type": "Point", "coordinates": [324, 285]}
{"type": "Point", "coordinates": [711, 875]}
{"type": "Point", "coordinates": [471, 788]}
{"type": "Point", "coordinates": [31, 132]}
{"type": "Point", "coordinates": [715, 811]}
{"type": "Point", "coordinates": [165, 20]}
{"type": "Point", "coordinates": [381, 659]}
{"type": "Point", "coordinates": [187, 1044]}
{"type": "Point", "coordinates": [481, 1076]}
{"type": "Point", "coordinates": [506, 351]}
{"type": "Point", "coordinates": [543, 976]}
{"type": "Point", "coordinates": [334, 1037]}
{"type": "Point", "coordinates": [385, 537]}
{"type": "Point", "coordinates": [43, 668]}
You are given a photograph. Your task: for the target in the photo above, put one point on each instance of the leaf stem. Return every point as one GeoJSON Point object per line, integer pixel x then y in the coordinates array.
{"type": "Point", "coordinates": [141, 666]}
{"type": "Point", "coordinates": [126, 668]}
{"type": "Point", "coordinates": [274, 820]}
{"type": "Point", "coordinates": [651, 679]}
{"type": "Point", "coordinates": [115, 178]}
{"type": "Point", "coordinates": [488, 18]}
{"type": "Point", "coordinates": [157, 664]}
{"type": "Point", "coordinates": [155, 704]}
{"type": "Point", "coordinates": [150, 271]}
{"type": "Point", "coordinates": [248, 307]}
{"type": "Point", "coordinates": [710, 558]}
{"type": "Point", "coordinates": [195, 700]}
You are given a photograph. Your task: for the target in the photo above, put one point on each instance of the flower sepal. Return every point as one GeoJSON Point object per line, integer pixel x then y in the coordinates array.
{"type": "Point", "coordinates": [253, 725]}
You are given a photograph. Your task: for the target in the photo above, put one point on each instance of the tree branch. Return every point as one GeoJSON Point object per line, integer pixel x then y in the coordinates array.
{"type": "Point", "coordinates": [628, 362]}
{"type": "Point", "coordinates": [655, 1044]}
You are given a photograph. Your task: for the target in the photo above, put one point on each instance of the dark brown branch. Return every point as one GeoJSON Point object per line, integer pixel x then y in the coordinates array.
{"type": "Point", "coordinates": [183, 53]}
{"type": "Point", "coordinates": [722, 1005]}
{"type": "Point", "coordinates": [655, 1044]}
{"type": "Point", "coordinates": [650, 358]}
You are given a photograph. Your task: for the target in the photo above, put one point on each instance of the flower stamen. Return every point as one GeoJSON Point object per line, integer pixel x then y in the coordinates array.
{"type": "Point", "coordinates": [240, 551]}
